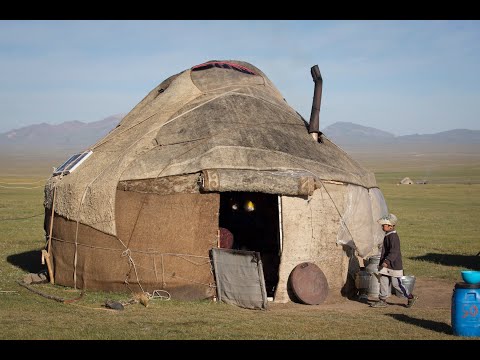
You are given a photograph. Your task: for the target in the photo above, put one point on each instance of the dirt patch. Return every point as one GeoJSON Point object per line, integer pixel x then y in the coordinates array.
{"type": "Point", "coordinates": [432, 293]}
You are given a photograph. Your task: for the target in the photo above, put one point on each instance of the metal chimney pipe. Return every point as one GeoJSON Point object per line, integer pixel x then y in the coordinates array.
{"type": "Point", "coordinates": [314, 127]}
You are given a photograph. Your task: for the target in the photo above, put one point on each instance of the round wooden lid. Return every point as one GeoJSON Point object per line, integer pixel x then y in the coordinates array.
{"type": "Point", "coordinates": [309, 283]}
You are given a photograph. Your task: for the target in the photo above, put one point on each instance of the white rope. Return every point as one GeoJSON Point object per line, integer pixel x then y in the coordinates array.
{"type": "Point", "coordinates": [85, 245]}
{"type": "Point", "coordinates": [333, 202]}
{"type": "Point", "coordinates": [75, 256]}
{"type": "Point", "coordinates": [127, 252]}
{"type": "Point", "coordinates": [121, 242]}
{"type": "Point", "coordinates": [172, 254]}
{"type": "Point", "coordinates": [132, 263]}
{"type": "Point", "coordinates": [156, 295]}
{"type": "Point", "coordinates": [193, 281]}
{"type": "Point", "coordinates": [143, 202]}
{"type": "Point", "coordinates": [180, 255]}
{"type": "Point", "coordinates": [163, 273]}
{"type": "Point", "coordinates": [154, 265]}
{"type": "Point", "coordinates": [165, 123]}
{"type": "Point", "coordinates": [338, 211]}
{"type": "Point", "coordinates": [118, 160]}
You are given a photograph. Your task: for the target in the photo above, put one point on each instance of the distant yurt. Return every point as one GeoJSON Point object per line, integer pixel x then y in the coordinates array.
{"type": "Point", "coordinates": [406, 181]}
{"type": "Point", "coordinates": [212, 158]}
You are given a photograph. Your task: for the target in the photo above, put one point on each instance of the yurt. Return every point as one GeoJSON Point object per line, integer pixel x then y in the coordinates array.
{"type": "Point", "coordinates": [406, 181]}
{"type": "Point", "coordinates": [213, 158]}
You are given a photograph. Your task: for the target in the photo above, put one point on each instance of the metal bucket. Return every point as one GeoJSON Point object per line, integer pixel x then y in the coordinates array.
{"type": "Point", "coordinates": [362, 280]}
{"type": "Point", "coordinates": [372, 264]}
{"type": "Point", "coordinates": [373, 286]}
{"type": "Point", "coordinates": [409, 282]}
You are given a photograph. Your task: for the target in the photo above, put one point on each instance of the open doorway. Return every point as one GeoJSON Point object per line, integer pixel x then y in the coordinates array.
{"type": "Point", "coordinates": [252, 224]}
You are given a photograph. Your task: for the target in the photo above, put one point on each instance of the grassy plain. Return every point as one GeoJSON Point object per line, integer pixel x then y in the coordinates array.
{"type": "Point", "coordinates": [439, 238]}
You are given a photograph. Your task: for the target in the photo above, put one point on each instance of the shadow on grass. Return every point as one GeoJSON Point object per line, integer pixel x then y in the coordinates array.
{"type": "Point", "coordinates": [467, 261]}
{"type": "Point", "coordinates": [437, 326]}
{"type": "Point", "coordinates": [30, 261]}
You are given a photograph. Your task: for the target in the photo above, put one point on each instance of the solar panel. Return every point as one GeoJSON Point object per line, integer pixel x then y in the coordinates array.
{"type": "Point", "coordinates": [72, 163]}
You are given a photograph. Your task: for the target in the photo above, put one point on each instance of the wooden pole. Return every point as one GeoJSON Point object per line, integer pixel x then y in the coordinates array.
{"type": "Point", "coordinates": [52, 297]}
{"type": "Point", "coordinates": [47, 254]}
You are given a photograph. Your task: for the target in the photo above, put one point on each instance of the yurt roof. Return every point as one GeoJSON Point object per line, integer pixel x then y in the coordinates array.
{"type": "Point", "coordinates": [219, 115]}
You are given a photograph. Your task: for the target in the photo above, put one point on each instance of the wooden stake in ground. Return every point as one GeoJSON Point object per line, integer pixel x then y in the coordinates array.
{"type": "Point", "coordinates": [47, 254]}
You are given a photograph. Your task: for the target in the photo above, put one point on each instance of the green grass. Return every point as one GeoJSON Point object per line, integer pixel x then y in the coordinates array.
{"type": "Point", "coordinates": [437, 227]}
{"type": "Point", "coordinates": [40, 318]}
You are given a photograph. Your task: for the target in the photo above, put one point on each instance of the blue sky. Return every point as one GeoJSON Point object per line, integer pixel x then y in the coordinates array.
{"type": "Point", "coordinates": [404, 77]}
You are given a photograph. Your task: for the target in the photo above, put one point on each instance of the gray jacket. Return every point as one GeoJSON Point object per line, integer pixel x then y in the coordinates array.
{"type": "Point", "coordinates": [391, 251]}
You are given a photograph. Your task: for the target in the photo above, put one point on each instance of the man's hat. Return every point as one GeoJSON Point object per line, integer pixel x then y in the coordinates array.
{"type": "Point", "coordinates": [389, 219]}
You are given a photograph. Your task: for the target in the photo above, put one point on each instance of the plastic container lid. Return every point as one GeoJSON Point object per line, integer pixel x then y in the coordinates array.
{"type": "Point", "coordinates": [464, 285]}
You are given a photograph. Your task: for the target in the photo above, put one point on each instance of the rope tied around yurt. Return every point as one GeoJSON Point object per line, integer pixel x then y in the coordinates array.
{"type": "Point", "coordinates": [128, 252]}
{"type": "Point", "coordinates": [336, 208]}
{"type": "Point", "coordinates": [80, 207]}
{"type": "Point", "coordinates": [353, 248]}
{"type": "Point", "coordinates": [132, 263]}
{"type": "Point", "coordinates": [163, 271]}
{"type": "Point", "coordinates": [145, 296]}
{"type": "Point", "coordinates": [156, 295]}
{"type": "Point", "coordinates": [331, 198]}
{"type": "Point", "coordinates": [182, 256]}
{"type": "Point", "coordinates": [100, 143]}
{"type": "Point", "coordinates": [210, 285]}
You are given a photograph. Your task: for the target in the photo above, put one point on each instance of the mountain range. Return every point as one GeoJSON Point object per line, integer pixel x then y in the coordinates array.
{"type": "Point", "coordinates": [347, 133]}
{"type": "Point", "coordinates": [73, 136]}
{"type": "Point", "coordinates": [67, 136]}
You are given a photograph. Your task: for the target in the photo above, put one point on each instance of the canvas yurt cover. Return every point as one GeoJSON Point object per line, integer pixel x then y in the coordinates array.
{"type": "Point", "coordinates": [212, 157]}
